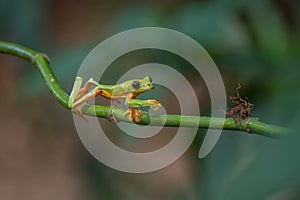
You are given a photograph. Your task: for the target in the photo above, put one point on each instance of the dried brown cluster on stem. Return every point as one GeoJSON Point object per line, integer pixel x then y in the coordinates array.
{"type": "Point", "coordinates": [241, 108]}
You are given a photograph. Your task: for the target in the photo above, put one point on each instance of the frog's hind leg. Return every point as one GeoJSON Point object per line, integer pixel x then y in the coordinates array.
{"type": "Point", "coordinates": [75, 91]}
{"type": "Point", "coordinates": [84, 90]}
{"type": "Point", "coordinates": [84, 95]}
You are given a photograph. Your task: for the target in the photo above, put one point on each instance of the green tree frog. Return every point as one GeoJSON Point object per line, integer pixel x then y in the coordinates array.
{"type": "Point", "coordinates": [129, 90]}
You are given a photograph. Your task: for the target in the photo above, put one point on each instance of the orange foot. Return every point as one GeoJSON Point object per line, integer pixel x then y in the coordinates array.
{"type": "Point", "coordinates": [134, 113]}
{"type": "Point", "coordinates": [156, 104]}
{"type": "Point", "coordinates": [78, 110]}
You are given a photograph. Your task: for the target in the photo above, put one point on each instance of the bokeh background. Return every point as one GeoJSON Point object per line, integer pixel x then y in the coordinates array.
{"type": "Point", "coordinates": [255, 43]}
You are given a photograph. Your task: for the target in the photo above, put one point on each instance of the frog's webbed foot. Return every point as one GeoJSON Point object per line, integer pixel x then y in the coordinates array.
{"type": "Point", "coordinates": [155, 104]}
{"type": "Point", "coordinates": [134, 113]}
{"type": "Point", "coordinates": [111, 115]}
{"type": "Point", "coordinates": [78, 110]}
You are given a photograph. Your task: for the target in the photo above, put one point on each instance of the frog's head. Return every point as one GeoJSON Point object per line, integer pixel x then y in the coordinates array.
{"type": "Point", "coordinates": [142, 85]}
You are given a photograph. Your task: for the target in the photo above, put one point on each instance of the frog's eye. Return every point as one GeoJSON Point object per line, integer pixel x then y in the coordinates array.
{"type": "Point", "coordinates": [150, 79]}
{"type": "Point", "coordinates": [135, 84]}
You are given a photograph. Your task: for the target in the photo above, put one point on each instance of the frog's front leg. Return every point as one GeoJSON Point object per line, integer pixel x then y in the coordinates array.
{"type": "Point", "coordinates": [152, 103]}
{"type": "Point", "coordinates": [134, 112]}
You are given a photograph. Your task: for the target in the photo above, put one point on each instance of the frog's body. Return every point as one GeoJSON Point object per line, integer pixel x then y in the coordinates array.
{"type": "Point", "coordinates": [123, 89]}
{"type": "Point", "coordinates": [128, 90]}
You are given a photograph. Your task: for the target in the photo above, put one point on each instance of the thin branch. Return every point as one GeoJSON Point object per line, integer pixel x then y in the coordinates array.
{"type": "Point", "coordinates": [41, 62]}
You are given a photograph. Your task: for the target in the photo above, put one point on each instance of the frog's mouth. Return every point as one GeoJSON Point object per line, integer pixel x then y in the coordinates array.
{"type": "Point", "coordinates": [147, 87]}
{"type": "Point", "coordinates": [150, 87]}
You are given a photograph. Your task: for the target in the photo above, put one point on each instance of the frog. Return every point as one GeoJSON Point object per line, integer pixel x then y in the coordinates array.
{"type": "Point", "coordinates": [127, 90]}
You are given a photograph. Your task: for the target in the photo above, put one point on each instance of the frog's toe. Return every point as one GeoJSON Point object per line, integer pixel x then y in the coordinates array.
{"type": "Point", "coordinates": [111, 116]}
{"type": "Point", "coordinates": [130, 114]}
{"type": "Point", "coordinates": [133, 113]}
{"type": "Point", "coordinates": [155, 104]}
{"type": "Point", "coordinates": [78, 110]}
{"type": "Point", "coordinates": [137, 115]}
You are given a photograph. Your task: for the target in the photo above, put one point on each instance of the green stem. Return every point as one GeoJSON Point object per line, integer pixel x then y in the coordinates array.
{"type": "Point", "coordinates": [41, 62]}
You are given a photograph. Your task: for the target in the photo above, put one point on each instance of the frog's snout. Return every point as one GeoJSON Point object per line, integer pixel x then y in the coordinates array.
{"type": "Point", "coordinates": [151, 86]}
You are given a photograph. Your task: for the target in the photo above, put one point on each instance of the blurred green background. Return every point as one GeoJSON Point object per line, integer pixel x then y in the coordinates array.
{"type": "Point", "coordinates": [255, 43]}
